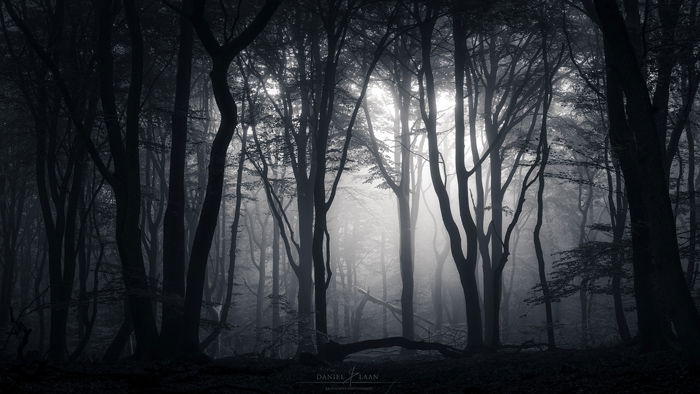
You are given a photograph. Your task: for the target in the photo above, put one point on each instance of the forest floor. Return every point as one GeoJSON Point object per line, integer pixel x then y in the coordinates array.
{"type": "Point", "coordinates": [618, 369]}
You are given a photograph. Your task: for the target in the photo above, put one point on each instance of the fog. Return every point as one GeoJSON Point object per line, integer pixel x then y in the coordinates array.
{"type": "Point", "coordinates": [319, 182]}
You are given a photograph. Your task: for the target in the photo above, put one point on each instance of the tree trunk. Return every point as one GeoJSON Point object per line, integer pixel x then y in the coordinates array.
{"type": "Point", "coordinates": [660, 287]}
{"type": "Point", "coordinates": [406, 266]}
{"type": "Point", "coordinates": [260, 294]}
{"type": "Point", "coordinates": [544, 149]}
{"type": "Point", "coordinates": [404, 204]}
{"type": "Point", "coordinates": [618, 207]}
{"type": "Point", "coordinates": [466, 264]}
{"type": "Point", "coordinates": [385, 331]}
{"type": "Point", "coordinates": [174, 250]}
{"type": "Point", "coordinates": [225, 308]}
{"type": "Point", "coordinates": [209, 213]}
{"type": "Point", "coordinates": [127, 182]}
{"type": "Point", "coordinates": [692, 234]}
{"type": "Point", "coordinates": [305, 281]}
{"type": "Point", "coordinates": [222, 56]}
{"type": "Point", "coordinates": [538, 249]}
{"type": "Point", "coordinates": [276, 300]}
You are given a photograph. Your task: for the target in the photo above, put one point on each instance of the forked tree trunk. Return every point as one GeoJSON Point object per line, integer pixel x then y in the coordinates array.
{"type": "Point", "coordinates": [466, 263]}
{"type": "Point", "coordinates": [222, 56]}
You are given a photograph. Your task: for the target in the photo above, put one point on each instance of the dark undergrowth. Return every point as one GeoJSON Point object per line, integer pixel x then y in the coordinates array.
{"type": "Point", "coordinates": [618, 369]}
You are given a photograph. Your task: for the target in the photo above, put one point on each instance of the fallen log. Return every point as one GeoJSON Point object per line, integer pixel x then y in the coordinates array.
{"type": "Point", "coordinates": [525, 345]}
{"type": "Point", "coordinates": [333, 351]}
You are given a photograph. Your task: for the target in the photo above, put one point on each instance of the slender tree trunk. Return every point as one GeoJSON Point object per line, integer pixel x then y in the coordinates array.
{"type": "Point", "coordinates": [38, 294]}
{"type": "Point", "coordinates": [404, 205]}
{"type": "Point", "coordinates": [540, 255]}
{"type": "Point", "coordinates": [544, 149]}
{"type": "Point", "coordinates": [618, 207]}
{"type": "Point", "coordinates": [692, 234]}
{"type": "Point", "coordinates": [276, 335]}
{"type": "Point", "coordinates": [260, 294]}
{"type": "Point", "coordinates": [406, 267]}
{"type": "Point", "coordinates": [437, 294]}
{"type": "Point", "coordinates": [7, 286]}
{"type": "Point", "coordinates": [12, 211]}
{"type": "Point", "coordinates": [346, 277]}
{"type": "Point", "coordinates": [583, 285]}
{"type": "Point", "coordinates": [583, 305]}
{"type": "Point", "coordinates": [385, 332]}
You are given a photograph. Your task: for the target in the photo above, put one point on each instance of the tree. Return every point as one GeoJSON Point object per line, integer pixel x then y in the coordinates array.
{"type": "Point", "coordinates": [221, 55]}
{"type": "Point", "coordinates": [637, 136]}
{"type": "Point", "coordinates": [465, 262]}
{"type": "Point", "coordinates": [174, 220]}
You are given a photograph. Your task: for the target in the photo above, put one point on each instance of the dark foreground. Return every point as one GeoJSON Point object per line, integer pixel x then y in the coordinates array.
{"type": "Point", "coordinates": [566, 371]}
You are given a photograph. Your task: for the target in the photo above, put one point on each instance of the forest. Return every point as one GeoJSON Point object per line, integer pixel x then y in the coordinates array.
{"type": "Point", "coordinates": [326, 195]}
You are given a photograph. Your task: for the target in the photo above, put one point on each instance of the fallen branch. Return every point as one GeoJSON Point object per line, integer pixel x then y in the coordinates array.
{"type": "Point", "coordinates": [333, 351]}
{"type": "Point", "coordinates": [394, 309]}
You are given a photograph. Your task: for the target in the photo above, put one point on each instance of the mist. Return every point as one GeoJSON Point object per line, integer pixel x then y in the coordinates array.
{"type": "Point", "coordinates": [313, 187]}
